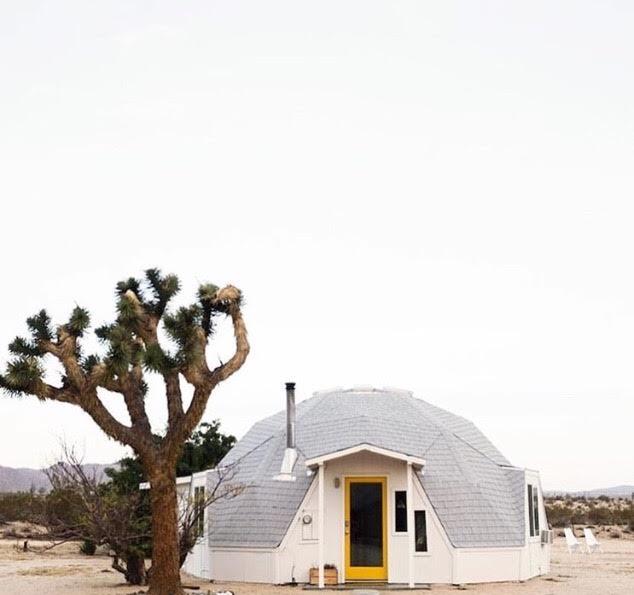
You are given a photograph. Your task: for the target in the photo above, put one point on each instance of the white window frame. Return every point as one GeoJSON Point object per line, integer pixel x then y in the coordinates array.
{"type": "Point", "coordinates": [533, 511]}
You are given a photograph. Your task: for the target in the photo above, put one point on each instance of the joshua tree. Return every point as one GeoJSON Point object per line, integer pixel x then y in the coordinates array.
{"type": "Point", "coordinates": [134, 347]}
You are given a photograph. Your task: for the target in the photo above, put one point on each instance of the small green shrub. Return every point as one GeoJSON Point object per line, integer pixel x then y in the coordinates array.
{"type": "Point", "coordinates": [88, 547]}
{"type": "Point", "coordinates": [630, 518]}
{"type": "Point", "coordinates": [600, 515]}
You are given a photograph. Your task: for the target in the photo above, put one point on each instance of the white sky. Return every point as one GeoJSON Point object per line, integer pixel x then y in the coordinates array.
{"type": "Point", "coordinates": [431, 195]}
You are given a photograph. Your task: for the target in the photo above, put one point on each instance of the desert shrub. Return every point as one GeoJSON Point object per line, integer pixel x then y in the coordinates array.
{"type": "Point", "coordinates": [21, 506]}
{"type": "Point", "coordinates": [559, 516]}
{"type": "Point", "coordinates": [630, 517]}
{"type": "Point", "coordinates": [88, 547]}
{"type": "Point", "coordinates": [618, 515]}
{"type": "Point", "coordinates": [63, 512]}
{"type": "Point", "coordinates": [600, 515]}
{"type": "Point", "coordinates": [11, 533]}
{"type": "Point", "coordinates": [579, 516]}
{"type": "Point", "coordinates": [615, 533]}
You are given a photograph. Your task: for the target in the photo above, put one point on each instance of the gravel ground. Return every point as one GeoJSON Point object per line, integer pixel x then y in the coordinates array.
{"type": "Point", "coordinates": [63, 571]}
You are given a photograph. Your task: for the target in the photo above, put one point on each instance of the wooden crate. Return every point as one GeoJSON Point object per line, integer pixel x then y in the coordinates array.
{"type": "Point", "coordinates": [331, 576]}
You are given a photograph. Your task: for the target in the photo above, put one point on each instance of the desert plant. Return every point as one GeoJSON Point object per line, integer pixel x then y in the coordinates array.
{"type": "Point", "coordinates": [599, 515]}
{"type": "Point", "coordinates": [135, 346]}
{"type": "Point", "coordinates": [116, 513]}
{"type": "Point", "coordinates": [21, 506]}
{"type": "Point", "coordinates": [630, 517]}
{"type": "Point", "coordinates": [559, 516]}
{"type": "Point", "coordinates": [88, 547]}
{"type": "Point", "coordinates": [84, 508]}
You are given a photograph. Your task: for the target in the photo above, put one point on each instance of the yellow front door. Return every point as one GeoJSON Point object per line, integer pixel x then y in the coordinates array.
{"type": "Point", "coordinates": [366, 528]}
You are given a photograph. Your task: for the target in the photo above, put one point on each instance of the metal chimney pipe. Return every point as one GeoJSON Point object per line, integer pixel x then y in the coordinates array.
{"type": "Point", "coordinates": [290, 415]}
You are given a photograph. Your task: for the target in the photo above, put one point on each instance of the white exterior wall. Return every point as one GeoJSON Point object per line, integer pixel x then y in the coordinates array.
{"type": "Point", "coordinates": [487, 565]}
{"type": "Point", "coordinates": [443, 563]}
{"type": "Point", "coordinates": [479, 565]}
{"type": "Point", "coordinates": [198, 562]}
{"type": "Point", "coordinates": [244, 565]}
{"type": "Point", "coordinates": [537, 555]}
{"type": "Point", "coordinates": [302, 553]}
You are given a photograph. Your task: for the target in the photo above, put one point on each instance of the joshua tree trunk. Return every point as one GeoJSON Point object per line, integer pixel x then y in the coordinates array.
{"type": "Point", "coordinates": [165, 572]}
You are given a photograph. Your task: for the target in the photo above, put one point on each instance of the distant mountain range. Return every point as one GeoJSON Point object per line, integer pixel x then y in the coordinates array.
{"type": "Point", "coordinates": [23, 480]}
{"type": "Point", "coordinates": [624, 491]}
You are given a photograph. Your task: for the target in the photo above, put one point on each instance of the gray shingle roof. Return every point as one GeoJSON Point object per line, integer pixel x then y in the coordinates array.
{"type": "Point", "coordinates": [477, 496]}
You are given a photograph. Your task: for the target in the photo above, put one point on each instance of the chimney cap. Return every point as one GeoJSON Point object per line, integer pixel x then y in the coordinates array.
{"type": "Point", "coordinates": [290, 385]}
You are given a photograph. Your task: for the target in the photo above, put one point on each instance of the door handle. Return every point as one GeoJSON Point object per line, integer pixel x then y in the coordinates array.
{"type": "Point", "coordinates": [347, 527]}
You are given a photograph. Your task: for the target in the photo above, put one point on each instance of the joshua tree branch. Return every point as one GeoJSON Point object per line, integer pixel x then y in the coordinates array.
{"type": "Point", "coordinates": [65, 350]}
{"type": "Point", "coordinates": [133, 396]}
{"type": "Point", "coordinates": [146, 323]}
{"type": "Point", "coordinates": [225, 370]}
{"type": "Point", "coordinates": [230, 298]}
{"type": "Point", "coordinates": [81, 393]}
{"type": "Point", "coordinates": [99, 376]}
{"type": "Point", "coordinates": [174, 398]}
{"type": "Point", "coordinates": [46, 391]}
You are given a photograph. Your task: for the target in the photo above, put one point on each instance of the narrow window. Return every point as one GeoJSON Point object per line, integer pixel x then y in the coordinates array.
{"type": "Point", "coordinates": [536, 510]}
{"type": "Point", "coordinates": [199, 510]}
{"type": "Point", "coordinates": [400, 512]}
{"type": "Point", "coordinates": [420, 521]}
{"type": "Point", "coordinates": [531, 514]}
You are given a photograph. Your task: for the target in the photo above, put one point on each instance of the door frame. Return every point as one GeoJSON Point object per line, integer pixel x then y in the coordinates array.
{"type": "Point", "coordinates": [361, 573]}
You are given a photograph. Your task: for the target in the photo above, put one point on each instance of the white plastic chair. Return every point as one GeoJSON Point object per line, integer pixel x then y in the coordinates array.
{"type": "Point", "coordinates": [591, 541]}
{"type": "Point", "coordinates": [574, 545]}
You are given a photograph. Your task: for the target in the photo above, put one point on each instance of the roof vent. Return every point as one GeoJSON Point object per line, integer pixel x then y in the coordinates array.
{"type": "Point", "coordinates": [362, 388]}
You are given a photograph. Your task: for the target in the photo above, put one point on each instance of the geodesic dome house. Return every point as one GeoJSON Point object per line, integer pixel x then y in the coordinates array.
{"type": "Point", "coordinates": [379, 485]}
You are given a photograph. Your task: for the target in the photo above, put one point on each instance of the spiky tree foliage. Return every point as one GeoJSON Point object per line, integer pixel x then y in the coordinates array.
{"type": "Point", "coordinates": [133, 348]}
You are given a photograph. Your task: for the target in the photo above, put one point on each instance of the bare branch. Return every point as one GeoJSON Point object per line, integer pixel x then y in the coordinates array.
{"type": "Point", "coordinates": [46, 548]}
{"type": "Point", "coordinates": [192, 514]}
{"type": "Point", "coordinates": [91, 511]}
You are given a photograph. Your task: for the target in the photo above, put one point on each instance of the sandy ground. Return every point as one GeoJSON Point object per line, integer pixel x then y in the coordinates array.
{"type": "Point", "coordinates": [63, 571]}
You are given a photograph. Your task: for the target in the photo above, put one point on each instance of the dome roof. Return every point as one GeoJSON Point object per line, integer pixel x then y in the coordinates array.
{"type": "Point", "coordinates": [477, 495]}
